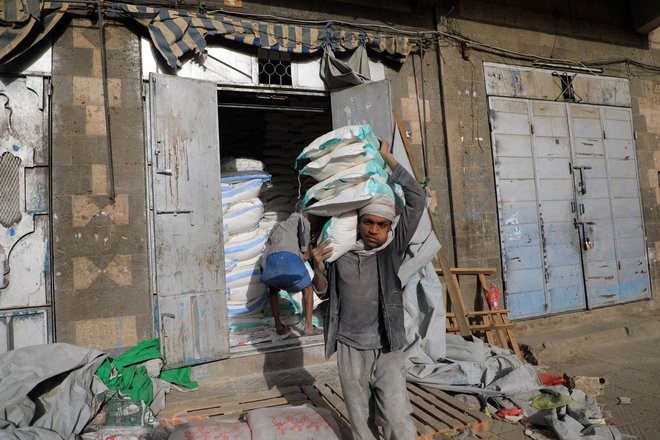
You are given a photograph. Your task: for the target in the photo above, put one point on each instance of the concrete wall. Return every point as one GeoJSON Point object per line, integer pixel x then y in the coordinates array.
{"type": "Point", "coordinates": [100, 247]}
{"type": "Point", "coordinates": [544, 30]}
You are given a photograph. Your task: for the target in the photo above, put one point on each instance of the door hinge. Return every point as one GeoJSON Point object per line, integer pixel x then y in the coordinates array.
{"type": "Point", "coordinates": [531, 127]}
{"type": "Point", "coordinates": [604, 135]}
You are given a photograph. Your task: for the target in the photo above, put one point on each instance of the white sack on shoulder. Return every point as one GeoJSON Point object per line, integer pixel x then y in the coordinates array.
{"type": "Point", "coordinates": [335, 139]}
{"type": "Point", "coordinates": [341, 159]}
{"type": "Point", "coordinates": [351, 198]}
{"type": "Point", "coordinates": [342, 233]}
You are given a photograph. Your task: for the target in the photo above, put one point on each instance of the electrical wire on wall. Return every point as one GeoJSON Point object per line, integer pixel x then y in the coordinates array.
{"type": "Point", "coordinates": [421, 114]}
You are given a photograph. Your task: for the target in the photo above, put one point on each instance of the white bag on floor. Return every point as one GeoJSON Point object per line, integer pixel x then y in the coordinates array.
{"type": "Point", "coordinates": [243, 309]}
{"type": "Point", "coordinates": [243, 216]}
{"type": "Point", "coordinates": [236, 192]}
{"type": "Point", "coordinates": [248, 292]}
{"type": "Point", "coordinates": [241, 164]}
{"type": "Point", "coordinates": [342, 231]}
{"type": "Point", "coordinates": [244, 250]}
{"type": "Point", "coordinates": [340, 159]}
{"type": "Point", "coordinates": [302, 422]}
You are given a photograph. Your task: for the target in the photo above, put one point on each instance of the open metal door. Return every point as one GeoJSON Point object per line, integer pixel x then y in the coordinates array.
{"type": "Point", "coordinates": [187, 212]}
{"type": "Point", "coordinates": [367, 103]}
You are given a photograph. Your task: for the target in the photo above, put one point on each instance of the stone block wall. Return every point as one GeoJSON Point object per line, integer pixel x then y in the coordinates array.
{"type": "Point", "coordinates": [100, 246]}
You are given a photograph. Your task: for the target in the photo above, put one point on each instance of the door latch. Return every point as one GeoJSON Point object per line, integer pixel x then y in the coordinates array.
{"type": "Point", "coordinates": [159, 170]}
{"type": "Point", "coordinates": [176, 212]}
{"type": "Point", "coordinates": [586, 241]}
{"type": "Point", "coordinates": [582, 186]}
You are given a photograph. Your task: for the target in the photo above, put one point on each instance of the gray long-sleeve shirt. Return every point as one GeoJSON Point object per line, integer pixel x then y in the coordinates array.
{"type": "Point", "coordinates": [292, 235]}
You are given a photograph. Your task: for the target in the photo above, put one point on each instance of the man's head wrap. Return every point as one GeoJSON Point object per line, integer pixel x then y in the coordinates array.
{"type": "Point", "coordinates": [382, 207]}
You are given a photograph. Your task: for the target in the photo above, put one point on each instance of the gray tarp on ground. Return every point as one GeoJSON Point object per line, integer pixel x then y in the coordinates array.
{"type": "Point", "coordinates": [46, 391]}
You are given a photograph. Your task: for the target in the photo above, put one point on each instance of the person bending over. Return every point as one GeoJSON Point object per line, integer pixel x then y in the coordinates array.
{"type": "Point", "coordinates": [283, 268]}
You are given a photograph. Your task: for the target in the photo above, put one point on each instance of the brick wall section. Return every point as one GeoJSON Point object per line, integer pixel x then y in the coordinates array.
{"type": "Point", "coordinates": [470, 153]}
{"type": "Point", "coordinates": [100, 248]}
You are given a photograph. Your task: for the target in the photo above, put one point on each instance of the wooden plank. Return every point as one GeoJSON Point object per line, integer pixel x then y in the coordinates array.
{"type": "Point", "coordinates": [468, 270]}
{"type": "Point", "coordinates": [457, 419]}
{"type": "Point", "coordinates": [497, 318]}
{"type": "Point", "coordinates": [192, 404]}
{"type": "Point", "coordinates": [452, 402]}
{"type": "Point", "coordinates": [333, 399]}
{"type": "Point", "coordinates": [484, 312]}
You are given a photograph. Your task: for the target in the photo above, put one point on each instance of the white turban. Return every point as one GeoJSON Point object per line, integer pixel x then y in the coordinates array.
{"type": "Point", "coordinates": [382, 207]}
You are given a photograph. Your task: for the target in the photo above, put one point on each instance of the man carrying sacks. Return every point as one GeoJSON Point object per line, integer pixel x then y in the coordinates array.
{"type": "Point", "coordinates": [364, 318]}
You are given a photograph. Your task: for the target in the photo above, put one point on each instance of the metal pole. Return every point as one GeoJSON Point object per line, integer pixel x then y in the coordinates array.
{"type": "Point", "coordinates": [106, 104]}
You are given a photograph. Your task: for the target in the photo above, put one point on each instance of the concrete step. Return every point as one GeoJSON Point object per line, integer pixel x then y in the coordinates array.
{"type": "Point", "coordinates": [558, 338]}
{"type": "Point", "coordinates": [262, 359]}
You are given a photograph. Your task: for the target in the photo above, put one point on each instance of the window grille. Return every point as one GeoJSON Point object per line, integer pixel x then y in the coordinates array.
{"type": "Point", "coordinates": [274, 68]}
{"type": "Point", "coordinates": [10, 201]}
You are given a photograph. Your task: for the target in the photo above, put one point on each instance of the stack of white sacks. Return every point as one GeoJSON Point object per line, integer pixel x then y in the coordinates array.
{"type": "Point", "coordinates": [350, 173]}
{"type": "Point", "coordinates": [244, 238]}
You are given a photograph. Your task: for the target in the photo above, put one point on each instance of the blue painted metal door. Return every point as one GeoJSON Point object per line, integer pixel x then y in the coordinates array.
{"type": "Point", "coordinates": [540, 250]}
{"type": "Point", "coordinates": [187, 212]}
{"type": "Point", "coordinates": [568, 204]}
{"type": "Point", "coordinates": [609, 210]}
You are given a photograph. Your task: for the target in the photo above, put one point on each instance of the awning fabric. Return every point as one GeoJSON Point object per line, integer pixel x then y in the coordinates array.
{"type": "Point", "coordinates": [23, 23]}
{"type": "Point", "coordinates": [175, 33]}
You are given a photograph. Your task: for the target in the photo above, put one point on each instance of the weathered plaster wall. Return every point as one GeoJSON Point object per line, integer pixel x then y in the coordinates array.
{"type": "Point", "coordinates": [100, 247]}
{"type": "Point", "coordinates": [535, 30]}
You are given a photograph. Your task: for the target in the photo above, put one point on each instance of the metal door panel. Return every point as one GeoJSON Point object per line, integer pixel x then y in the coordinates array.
{"type": "Point", "coordinates": [626, 207]}
{"type": "Point", "coordinates": [635, 287]}
{"type": "Point", "coordinates": [586, 127]}
{"type": "Point", "coordinates": [553, 168]}
{"type": "Point", "coordinates": [556, 211]}
{"type": "Point", "coordinates": [512, 123]}
{"type": "Point", "coordinates": [603, 292]}
{"type": "Point", "coordinates": [560, 254]}
{"type": "Point", "coordinates": [518, 190]}
{"type": "Point", "coordinates": [618, 130]}
{"type": "Point", "coordinates": [626, 169]}
{"type": "Point", "coordinates": [587, 148]}
{"type": "Point", "coordinates": [527, 304]}
{"type": "Point", "coordinates": [604, 250]}
{"type": "Point", "coordinates": [598, 168]}
{"type": "Point", "coordinates": [22, 329]}
{"type": "Point", "coordinates": [515, 168]}
{"type": "Point", "coordinates": [525, 280]}
{"type": "Point", "coordinates": [521, 234]}
{"type": "Point", "coordinates": [631, 227]}
{"type": "Point", "coordinates": [625, 188]}
{"type": "Point", "coordinates": [545, 126]}
{"type": "Point", "coordinates": [555, 189]}
{"type": "Point", "coordinates": [621, 114]}
{"type": "Point", "coordinates": [567, 298]}
{"type": "Point", "coordinates": [619, 149]}
{"type": "Point", "coordinates": [545, 108]}
{"type": "Point", "coordinates": [631, 247]}
{"type": "Point", "coordinates": [551, 147]}
{"type": "Point", "coordinates": [597, 188]}
{"type": "Point", "coordinates": [597, 209]}
{"type": "Point", "coordinates": [556, 233]}
{"type": "Point", "coordinates": [564, 276]}
{"type": "Point", "coordinates": [518, 212]}
{"type": "Point", "coordinates": [521, 257]}
{"type": "Point", "coordinates": [29, 269]}
{"type": "Point", "coordinates": [510, 145]}
{"type": "Point", "coordinates": [189, 258]}
{"type": "Point", "coordinates": [502, 106]}
{"type": "Point", "coordinates": [367, 103]}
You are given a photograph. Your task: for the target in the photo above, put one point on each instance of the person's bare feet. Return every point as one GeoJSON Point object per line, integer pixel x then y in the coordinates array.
{"type": "Point", "coordinates": [281, 330]}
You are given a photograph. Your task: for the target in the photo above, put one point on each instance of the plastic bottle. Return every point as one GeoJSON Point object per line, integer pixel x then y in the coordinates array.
{"type": "Point", "coordinates": [493, 296]}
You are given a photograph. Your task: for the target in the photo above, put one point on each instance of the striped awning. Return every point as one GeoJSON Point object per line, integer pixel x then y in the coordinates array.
{"type": "Point", "coordinates": [176, 33]}
{"type": "Point", "coordinates": [23, 23]}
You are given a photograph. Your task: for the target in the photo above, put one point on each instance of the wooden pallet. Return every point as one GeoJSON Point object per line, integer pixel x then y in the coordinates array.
{"type": "Point", "coordinates": [434, 412]}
